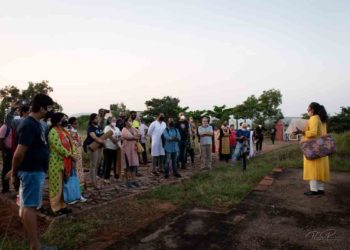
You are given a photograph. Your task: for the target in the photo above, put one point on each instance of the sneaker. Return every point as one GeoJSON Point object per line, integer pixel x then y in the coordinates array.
{"type": "Point", "coordinates": [135, 184]}
{"type": "Point", "coordinates": [107, 181]}
{"type": "Point", "coordinates": [83, 199]}
{"type": "Point", "coordinates": [311, 193]}
{"type": "Point", "coordinates": [155, 173]}
{"type": "Point", "coordinates": [73, 202]}
{"type": "Point", "coordinates": [177, 175]}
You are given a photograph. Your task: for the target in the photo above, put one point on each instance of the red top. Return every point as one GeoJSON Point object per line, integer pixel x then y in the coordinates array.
{"type": "Point", "coordinates": [233, 138]}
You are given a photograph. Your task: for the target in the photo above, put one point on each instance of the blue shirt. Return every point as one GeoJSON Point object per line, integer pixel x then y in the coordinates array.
{"type": "Point", "coordinates": [245, 133]}
{"type": "Point", "coordinates": [170, 145]}
{"type": "Point", "coordinates": [32, 135]}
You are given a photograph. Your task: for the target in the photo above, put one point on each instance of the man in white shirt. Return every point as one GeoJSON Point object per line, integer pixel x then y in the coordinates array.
{"type": "Point", "coordinates": [156, 130]}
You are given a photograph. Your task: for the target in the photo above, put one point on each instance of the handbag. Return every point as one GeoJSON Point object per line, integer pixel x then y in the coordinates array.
{"type": "Point", "coordinates": [139, 147]}
{"type": "Point", "coordinates": [71, 188]}
{"type": "Point", "coordinates": [318, 147]}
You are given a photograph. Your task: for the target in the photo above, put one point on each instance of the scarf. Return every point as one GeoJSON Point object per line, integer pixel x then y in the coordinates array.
{"type": "Point", "coordinates": [67, 144]}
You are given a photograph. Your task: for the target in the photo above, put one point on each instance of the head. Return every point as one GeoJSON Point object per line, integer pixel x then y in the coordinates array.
{"type": "Point", "coordinates": [244, 126]}
{"type": "Point", "coordinates": [73, 122]}
{"type": "Point", "coordinates": [112, 121]}
{"type": "Point", "coordinates": [232, 126]}
{"type": "Point", "coordinates": [317, 109]}
{"type": "Point", "coordinates": [59, 120]}
{"type": "Point", "coordinates": [93, 119]}
{"type": "Point", "coordinates": [122, 115]}
{"type": "Point", "coordinates": [225, 123]}
{"type": "Point", "coordinates": [42, 105]}
{"type": "Point", "coordinates": [171, 123]}
{"type": "Point", "coordinates": [205, 121]}
{"type": "Point", "coordinates": [240, 124]}
{"type": "Point", "coordinates": [128, 122]}
{"type": "Point", "coordinates": [133, 115]}
{"type": "Point", "coordinates": [24, 111]}
{"type": "Point", "coordinates": [161, 117]}
{"type": "Point", "coordinates": [182, 116]}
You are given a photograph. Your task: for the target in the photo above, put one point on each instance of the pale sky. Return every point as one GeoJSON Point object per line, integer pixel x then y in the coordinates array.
{"type": "Point", "coordinates": [206, 53]}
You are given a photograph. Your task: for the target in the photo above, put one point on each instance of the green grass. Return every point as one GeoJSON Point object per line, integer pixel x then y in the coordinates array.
{"type": "Point", "coordinates": [225, 186]}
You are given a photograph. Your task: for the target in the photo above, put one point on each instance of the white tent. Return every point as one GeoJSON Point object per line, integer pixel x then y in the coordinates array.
{"type": "Point", "coordinates": [293, 126]}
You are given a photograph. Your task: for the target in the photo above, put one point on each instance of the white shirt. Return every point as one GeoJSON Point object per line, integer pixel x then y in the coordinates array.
{"type": "Point", "coordinates": [116, 134]}
{"type": "Point", "coordinates": [143, 129]}
{"type": "Point", "coordinates": [156, 130]}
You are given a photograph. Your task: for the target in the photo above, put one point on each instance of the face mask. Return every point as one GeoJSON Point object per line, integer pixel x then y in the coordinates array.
{"type": "Point", "coordinates": [133, 117]}
{"type": "Point", "coordinates": [17, 117]}
{"type": "Point", "coordinates": [171, 124]}
{"type": "Point", "coordinates": [114, 124]}
{"type": "Point", "coordinates": [73, 129]}
{"type": "Point", "coordinates": [49, 114]}
{"type": "Point", "coordinates": [49, 123]}
{"type": "Point", "coordinates": [182, 117]}
{"type": "Point", "coordinates": [64, 123]}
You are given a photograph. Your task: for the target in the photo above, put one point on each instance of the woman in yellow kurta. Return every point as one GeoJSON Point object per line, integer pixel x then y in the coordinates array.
{"type": "Point", "coordinates": [62, 151]}
{"type": "Point", "coordinates": [316, 171]}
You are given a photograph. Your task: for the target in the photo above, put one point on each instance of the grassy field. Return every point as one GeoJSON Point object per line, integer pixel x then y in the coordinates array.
{"type": "Point", "coordinates": [219, 189]}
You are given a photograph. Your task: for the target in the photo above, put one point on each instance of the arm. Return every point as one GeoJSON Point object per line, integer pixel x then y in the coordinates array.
{"type": "Point", "coordinates": [126, 135]}
{"type": "Point", "coordinates": [312, 128]}
{"type": "Point", "coordinates": [151, 129]}
{"type": "Point", "coordinates": [56, 144]}
{"type": "Point", "coordinates": [93, 136]}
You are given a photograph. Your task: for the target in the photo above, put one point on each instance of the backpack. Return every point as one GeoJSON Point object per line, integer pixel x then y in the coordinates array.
{"type": "Point", "coordinates": [8, 130]}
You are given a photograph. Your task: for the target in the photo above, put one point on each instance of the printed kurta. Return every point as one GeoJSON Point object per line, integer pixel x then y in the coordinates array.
{"type": "Point", "coordinates": [156, 130]}
{"type": "Point", "coordinates": [79, 150]}
{"type": "Point", "coordinates": [317, 169]}
{"type": "Point", "coordinates": [56, 170]}
{"type": "Point", "coordinates": [225, 141]}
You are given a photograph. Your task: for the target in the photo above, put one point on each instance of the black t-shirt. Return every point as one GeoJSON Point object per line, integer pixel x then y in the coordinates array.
{"type": "Point", "coordinates": [32, 135]}
{"type": "Point", "coordinates": [183, 127]}
{"type": "Point", "coordinates": [98, 132]}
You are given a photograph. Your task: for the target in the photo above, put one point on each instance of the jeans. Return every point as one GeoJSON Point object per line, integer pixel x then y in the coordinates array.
{"type": "Point", "coordinates": [173, 158]}
{"type": "Point", "coordinates": [31, 188]}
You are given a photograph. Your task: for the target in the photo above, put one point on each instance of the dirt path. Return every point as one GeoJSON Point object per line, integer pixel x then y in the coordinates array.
{"type": "Point", "coordinates": [280, 218]}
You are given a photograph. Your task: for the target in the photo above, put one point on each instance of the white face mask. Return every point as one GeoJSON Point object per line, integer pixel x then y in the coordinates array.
{"type": "Point", "coordinates": [17, 117]}
{"type": "Point", "coordinates": [49, 123]}
{"type": "Point", "coordinates": [182, 117]}
{"type": "Point", "coordinates": [74, 129]}
{"type": "Point", "coordinates": [113, 124]}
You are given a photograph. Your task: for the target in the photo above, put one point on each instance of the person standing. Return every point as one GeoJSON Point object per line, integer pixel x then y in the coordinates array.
{"type": "Point", "coordinates": [143, 131]}
{"type": "Point", "coordinates": [273, 135]}
{"type": "Point", "coordinates": [156, 130]}
{"type": "Point", "coordinates": [232, 140]}
{"type": "Point", "coordinates": [171, 138]}
{"type": "Point", "coordinates": [259, 136]}
{"type": "Point", "coordinates": [110, 151]}
{"type": "Point", "coordinates": [130, 137]}
{"type": "Point", "coordinates": [184, 128]}
{"type": "Point", "coordinates": [242, 145]}
{"type": "Point", "coordinates": [93, 133]}
{"type": "Point", "coordinates": [29, 165]}
{"type": "Point", "coordinates": [77, 141]}
{"type": "Point", "coordinates": [316, 171]}
{"type": "Point", "coordinates": [6, 150]}
{"type": "Point", "coordinates": [62, 155]}
{"type": "Point", "coordinates": [224, 139]}
{"type": "Point", "coordinates": [206, 133]}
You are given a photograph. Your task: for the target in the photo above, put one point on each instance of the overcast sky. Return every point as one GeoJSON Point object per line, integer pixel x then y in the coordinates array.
{"type": "Point", "coordinates": [206, 53]}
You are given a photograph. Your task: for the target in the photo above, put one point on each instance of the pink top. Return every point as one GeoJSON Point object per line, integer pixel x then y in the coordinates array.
{"type": "Point", "coordinates": [8, 139]}
{"type": "Point", "coordinates": [129, 147]}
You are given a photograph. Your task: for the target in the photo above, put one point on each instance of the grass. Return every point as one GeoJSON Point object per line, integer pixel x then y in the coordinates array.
{"type": "Point", "coordinates": [225, 186]}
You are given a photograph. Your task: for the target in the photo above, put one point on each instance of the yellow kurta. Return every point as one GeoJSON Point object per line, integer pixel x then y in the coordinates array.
{"type": "Point", "coordinates": [317, 169]}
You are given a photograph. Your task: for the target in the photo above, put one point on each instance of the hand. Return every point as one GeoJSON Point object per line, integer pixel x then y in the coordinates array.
{"type": "Point", "coordinates": [297, 132]}
{"type": "Point", "coordinates": [12, 178]}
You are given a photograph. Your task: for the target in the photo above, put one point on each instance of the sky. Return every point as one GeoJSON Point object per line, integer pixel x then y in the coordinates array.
{"type": "Point", "coordinates": [94, 53]}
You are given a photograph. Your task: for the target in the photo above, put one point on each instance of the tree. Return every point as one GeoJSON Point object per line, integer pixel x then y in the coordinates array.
{"type": "Point", "coordinates": [167, 105]}
{"type": "Point", "coordinates": [117, 108]}
{"type": "Point", "coordinates": [249, 109]}
{"type": "Point", "coordinates": [269, 102]}
{"type": "Point", "coordinates": [340, 122]}
{"type": "Point", "coordinates": [11, 94]}
{"type": "Point", "coordinates": [221, 113]}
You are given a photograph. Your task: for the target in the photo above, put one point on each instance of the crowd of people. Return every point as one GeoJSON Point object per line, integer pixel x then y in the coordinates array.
{"type": "Point", "coordinates": [35, 141]}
